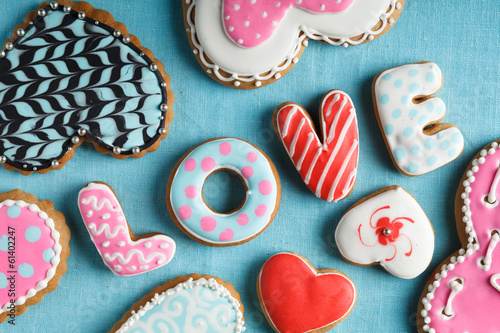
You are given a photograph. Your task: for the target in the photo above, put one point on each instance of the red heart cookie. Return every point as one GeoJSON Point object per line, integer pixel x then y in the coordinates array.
{"type": "Point", "coordinates": [298, 298]}
{"type": "Point", "coordinates": [328, 168]}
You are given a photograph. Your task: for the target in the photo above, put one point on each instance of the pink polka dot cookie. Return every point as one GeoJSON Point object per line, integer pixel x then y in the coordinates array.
{"type": "Point", "coordinates": [247, 44]}
{"type": "Point", "coordinates": [199, 221]}
{"type": "Point", "coordinates": [34, 246]}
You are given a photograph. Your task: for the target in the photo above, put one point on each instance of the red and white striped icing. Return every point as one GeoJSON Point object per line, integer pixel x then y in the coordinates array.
{"type": "Point", "coordinates": [328, 168]}
{"type": "Point", "coordinates": [108, 229]}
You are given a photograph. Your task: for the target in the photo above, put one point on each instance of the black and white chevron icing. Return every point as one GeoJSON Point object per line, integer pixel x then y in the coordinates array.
{"type": "Point", "coordinates": [68, 75]}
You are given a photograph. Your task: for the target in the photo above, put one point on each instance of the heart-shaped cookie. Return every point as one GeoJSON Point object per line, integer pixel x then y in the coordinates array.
{"type": "Point", "coordinates": [328, 166]}
{"type": "Point", "coordinates": [70, 72]}
{"type": "Point", "coordinates": [34, 246]}
{"type": "Point", "coordinates": [122, 252]}
{"type": "Point", "coordinates": [194, 303]}
{"type": "Point", "coordinates": [463, 294]}
{"type": "Point", "coordinates": [388, 228]}
{"type": "Point", "coordinates": [298, 298]}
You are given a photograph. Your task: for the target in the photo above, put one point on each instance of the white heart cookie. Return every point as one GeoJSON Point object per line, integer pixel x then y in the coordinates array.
{"type": "Point", "coordinates": [387, 228]}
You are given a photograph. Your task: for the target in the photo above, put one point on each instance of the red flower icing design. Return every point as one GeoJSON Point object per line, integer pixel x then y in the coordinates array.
{"type": "Point", "coordinates": [388, 231]}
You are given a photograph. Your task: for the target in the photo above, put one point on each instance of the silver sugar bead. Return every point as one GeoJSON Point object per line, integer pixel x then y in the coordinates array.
{"type": "Point", "coordinates": [153, 67]}
{"type": "Point", "coordinates": [42, 12]}
{"type": "Point", "coordinates": [162, 131]}
{"type": "Point", "coordinates": [163, 84]}
{"type": "Point", "coordinates": [387, 232]}
{"type": "Point", "coordinates": [117, 150]}
{"type": "Point", "coordinates": [126, 39]}
{"type": "Point", "coordinates": [20, 32]}
{"type": "Point", "coordinates": [9, 46]}
{"type": "Point", "coordinates": [25, 166]}
{"type": "Point", "coordinates": [82, 131]}
{"type": "Point", "coordinates": [2, 53]}
{"type": "Point", "coordinates": [75, 140]}
{"type": "Point", "coordinates": [164, 107]}
{"type": "Point", "coordinates": [54, 163]}
{"type": "Point", "coordinates": [3, 159]}
{"type": "Point", "coordinates": [136, 150]}
{"type": "Point", "coordinates": [81, 15]}
{"type": "Point", "coordinates": [54, 5]}
{"type": "Point", "coordinates": [35, 168]}
{"type": "Point", "coordinates": [117, 33]}
{"type": "Point", "coordinates": [67, 9]}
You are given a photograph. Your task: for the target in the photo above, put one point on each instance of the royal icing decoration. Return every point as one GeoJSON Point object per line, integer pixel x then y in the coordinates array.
{"type": "Point", "coordinates": [389, 229]}
{"type": "Point", "coordinates": [185, 196]}
{"type": "Point", "coordinates": [30, 234]}
{"type": "Point", "coordinates": [249, 24]}
{"type": "Point", "coordinates": [192, 306]}
{"type": "Point", "coordinates": [405, 110]}
{"type": "Point", "coordinates": [67, 77]}
{"type": "Point", "coordinates": [109, 231]}
{"type": "Point", "coordinates": [327, 167]}
{"type": "Point", "coordinates": [246, 43]}
{"type": "Point", "coordinates": [463, 295]}
{"type": "Point", "coordinates": [296, 297]}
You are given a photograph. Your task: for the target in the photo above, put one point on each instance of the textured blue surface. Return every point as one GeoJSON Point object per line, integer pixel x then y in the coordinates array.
{"type": "Point", "coordinates": [462, 38]}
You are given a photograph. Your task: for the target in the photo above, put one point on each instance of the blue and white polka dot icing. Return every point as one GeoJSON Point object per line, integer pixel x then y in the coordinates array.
{"type": "Point", "coordinates": [403, 121]}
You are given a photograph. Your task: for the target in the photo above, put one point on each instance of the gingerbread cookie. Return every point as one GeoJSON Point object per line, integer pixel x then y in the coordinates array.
{"type": "Point", "coordinates": [388, 228]}
{"type": "Point", "coordinates": [463, 294]}
{"type": "Point", "coordinates": [198, 220]}
{"type": "Point", "coordinates": [71, 73]}
{"type": "Point", "coordinates": [328, 166]}
{"type": "Point", "coordinates": [193, 303]}
{"type": "Point", "coordinates": [34, 247]}
{"type": "Point", "coordinates": [124, 253]}
{"type": "Point", "coordinates": [249, 44]}
{"type": "Point", "coordinates": [409, 118]}
{"type": "Point", "coordinates": [296, 297]}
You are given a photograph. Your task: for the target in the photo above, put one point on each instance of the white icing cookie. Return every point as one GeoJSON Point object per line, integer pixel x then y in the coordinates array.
{"type": "Point", "coordinates": [388, 228]}
{"type": "Point", "coordinates": [409, 118]}
{"type": "Point", "coordinates": [250, 44]}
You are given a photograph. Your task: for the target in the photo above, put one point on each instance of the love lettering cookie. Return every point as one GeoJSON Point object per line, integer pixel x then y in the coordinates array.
{"type": "Point", "coordinates": [199, 221]}
{"type": "Point", "coordinates": [71, 73]}
{"type": "Point", "coordinates": [193, 303]}
{"type": "Point", "coordinates": [298, 298]}
{"type": "Point", "coordinates": [388, 228]}
{"type": "Point", "coordinates": [124, 253]}
{"type": "Point", "coordinates": [409, 118]}
{"type": "Point", "coordinates": [34, 247]}
{"type": "Point", "coordinates": [463, 294]}
{"type": "Point", "coordinates": [249, 44]}
{"type": "Point", "coordinates": [328, 166]}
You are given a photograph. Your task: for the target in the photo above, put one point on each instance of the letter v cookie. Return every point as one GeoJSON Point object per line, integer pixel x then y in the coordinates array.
{"type": "Point", "coordinates": [124, 253]}
{"type": "Point", "coordinates": [409, 118]}
{"type": "Point", "coordinates": [327, 167]}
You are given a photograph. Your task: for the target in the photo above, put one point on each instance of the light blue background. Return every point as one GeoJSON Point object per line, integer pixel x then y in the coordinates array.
{"type": "Point", "coordinates": [462, 37]}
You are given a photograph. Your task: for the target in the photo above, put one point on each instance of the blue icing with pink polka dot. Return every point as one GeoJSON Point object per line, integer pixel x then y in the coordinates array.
{"type": "Point", "coordinates": [253, 167]}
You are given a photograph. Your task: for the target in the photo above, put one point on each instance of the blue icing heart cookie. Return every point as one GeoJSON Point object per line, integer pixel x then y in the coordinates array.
{"type": "Point", "coordinates": [199, 304]}
{"type": "Point", "coordinates": [65, 77]}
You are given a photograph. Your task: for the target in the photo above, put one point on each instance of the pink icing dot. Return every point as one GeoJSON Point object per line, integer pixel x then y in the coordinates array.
{"type": "Point", "coordinates": [207, 164]}
{"type": "Point", "coordinates": [252, 157]}
{"type": "Point", "coordinates": [184, 212]}
{"type": "Point", "coordinates": [191, 191]}
{"type": "Point", "coordinates": [265, 187]}
{"type": "Point", "coordinates": [208, 223]}
{"type": "Point", "coordinates": [226, 235]}
{"type": "Point", "coordinates": [261, 210]}
{"type": "Point", "coordinates": [190, 164]}
{"type": "Point", "coordinates": [247, 172]}
{"type": "Point", "coordinates": [242, 219]}
{"type": "Point", "coordinates": [225, 148]}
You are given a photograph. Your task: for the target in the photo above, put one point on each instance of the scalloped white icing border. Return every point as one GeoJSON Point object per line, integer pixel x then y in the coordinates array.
{"type": "Point", "coordinates": [472, 245]}
{"type": "Point", "coordinates": [291, 57]}
{"type": "Point", "coordinates": [158, 299]}
{"type": "Point", "coordinates": [56, 247]}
